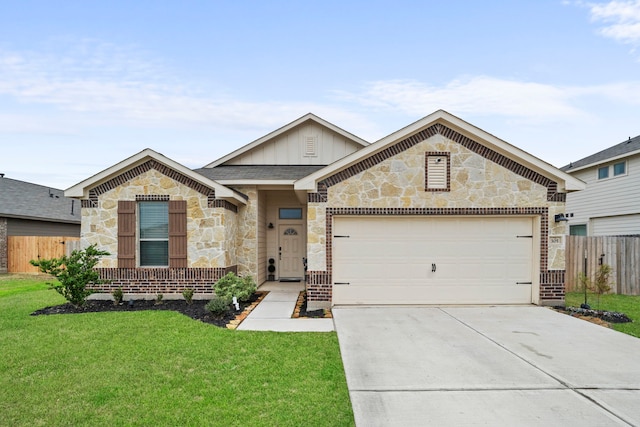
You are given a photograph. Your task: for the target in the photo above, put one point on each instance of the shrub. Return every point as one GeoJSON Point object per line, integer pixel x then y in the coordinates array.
{"type": "Point", "coordinates": [158, 299]}
{"type": "Point", "coordinates": [188, 295]}
{"type": "Point", "coordinates": [218, 306]}
{"type": "Point", "coordinates": [74, 273]}
{"type": "Point", "coordinates": [118, 296]}
{"type": "Point", "coordinates": [233, 286]}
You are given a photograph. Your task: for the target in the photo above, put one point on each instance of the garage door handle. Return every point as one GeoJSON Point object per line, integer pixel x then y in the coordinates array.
{"type": "Point", "coordinates": [524, 283]}
{"type": "Point", "coordinates": [433, 268]}
{"type": "Point", "coordinates": [341, 283]}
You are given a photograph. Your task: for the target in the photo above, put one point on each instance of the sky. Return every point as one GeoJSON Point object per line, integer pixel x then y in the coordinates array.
{"type": "Point", "coordinates": [85, 84]}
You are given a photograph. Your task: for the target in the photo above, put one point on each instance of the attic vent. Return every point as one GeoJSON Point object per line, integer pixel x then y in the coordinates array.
{"type": "Point", "coordinates": [437, 172]}
{"type": "Point", "coordinates": [310, 146]}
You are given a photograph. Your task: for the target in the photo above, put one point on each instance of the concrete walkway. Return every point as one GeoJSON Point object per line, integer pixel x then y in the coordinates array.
{"type": "Point", "coordinates": [497, 366]}
{"type": "Point", "coordinates": [274, 312]}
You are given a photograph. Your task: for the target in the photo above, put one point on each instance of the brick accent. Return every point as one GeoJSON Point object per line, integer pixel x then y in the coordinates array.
{"type": "Point", "coordinates": [223, 204]}
{"type": "Point", "coordinates": [476, 147]}
{"type": "Point", "coordinates": [152, 197]}
{"type": "Point", "coordinates": [551, 281]}
{"type": "Point", "coordinates": [4, 242]}
{"type": "Point", "coordinates": [426, 170]}
{"type": "Point", "coordinates": [145, 167]}
{"type": "Point", "coordinates": [160, 280]}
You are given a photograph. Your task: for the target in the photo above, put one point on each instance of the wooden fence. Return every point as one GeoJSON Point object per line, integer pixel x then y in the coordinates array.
{"type": "Point", "coordinates": [621, 253]}
{"type": "Point", "coordinates": [22, 249]}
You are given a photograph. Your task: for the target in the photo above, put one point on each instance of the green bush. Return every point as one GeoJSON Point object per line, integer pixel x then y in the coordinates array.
{"type": "Point", "coordinates": [118, 296]}
{"type": "Point", "coordinates": [218, 306]}
{"type": "Point", "coordinates": [233, 286]}
{"type": "Point", "coordinates": [188, 295]}
{"type": "Point", "coordinates": [74, 273]}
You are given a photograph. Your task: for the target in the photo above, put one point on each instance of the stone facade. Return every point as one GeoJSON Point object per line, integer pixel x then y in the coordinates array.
{"type": "Point", "coordinates": [211, 231]}
{"type": "Point", "coordinates": [479, 183]}
{"type": "Point", "coordinates": [246, 237]}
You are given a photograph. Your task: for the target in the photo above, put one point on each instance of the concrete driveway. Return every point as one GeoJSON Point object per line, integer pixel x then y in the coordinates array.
{"type": "Point", "coordinates": [515, 365]}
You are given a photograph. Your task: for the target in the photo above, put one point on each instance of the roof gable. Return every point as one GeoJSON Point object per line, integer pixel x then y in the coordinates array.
{"type": "Point", "coordinates": [288, 144]}
{"type": "Point", "coordinates": [143, 161]}
{"type": "Point", "coordinates": [624, 149]}
{"type": "Point", "coordinates": [453, 128]}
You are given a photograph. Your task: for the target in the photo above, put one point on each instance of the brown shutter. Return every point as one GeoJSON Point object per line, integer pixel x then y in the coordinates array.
{"type": "Point", "coordinates": [177, 233]}
{"type": "Point", "coordinates": [126, 234]}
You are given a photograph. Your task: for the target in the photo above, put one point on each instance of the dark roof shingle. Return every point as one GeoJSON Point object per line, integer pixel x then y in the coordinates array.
{"type": "Point", "coordinates": [258, 172]}
{"type": "Point", "coordinates": [628, 146]}
{"type": "Point", "coordinates": [20, 199]}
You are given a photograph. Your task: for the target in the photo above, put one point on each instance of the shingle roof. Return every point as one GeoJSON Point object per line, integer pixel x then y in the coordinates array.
{"type": "Point", "coordinates": [628, 146]}
{"type": "Point", "coordinates": [258, 172]}
{"type": "Point", "coordinates": [19, 199]}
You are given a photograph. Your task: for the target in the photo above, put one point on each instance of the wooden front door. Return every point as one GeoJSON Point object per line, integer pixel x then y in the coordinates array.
{"type": "Point", "coordinates": [291, 251]}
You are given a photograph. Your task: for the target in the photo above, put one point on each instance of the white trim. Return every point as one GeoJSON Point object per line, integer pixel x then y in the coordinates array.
{"type": "Point", "coordinates": [81, 190]}
{"type": "Point", "coordinates": [283, 129]}
{"type": "Point", "coordinates": [565, 181]}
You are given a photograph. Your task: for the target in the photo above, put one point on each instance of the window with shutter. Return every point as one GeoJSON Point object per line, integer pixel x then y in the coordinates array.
{"type": "Point", "coordinates": [126, 234]}
{"type": "Point", "coordinates": [437, 172]}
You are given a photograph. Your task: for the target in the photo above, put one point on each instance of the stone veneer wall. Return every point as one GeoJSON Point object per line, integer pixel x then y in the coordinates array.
{"type": "Point", "coordinates": [4, 242]}
{"type": "Point", "coordinates": [482, 182]}
{"type": "Point", "coordinates": [247, 235]}
{"type": "Point", "coordinates": [210, 227]}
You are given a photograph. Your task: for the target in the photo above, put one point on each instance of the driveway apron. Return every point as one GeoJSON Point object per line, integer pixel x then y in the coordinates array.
{"type": "Point", "coordinates": [504, 365]}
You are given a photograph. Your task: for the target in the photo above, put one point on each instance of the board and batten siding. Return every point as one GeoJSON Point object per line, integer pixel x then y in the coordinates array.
{"type": "Point", "coordinates": [607, 198]}
{"type": "Point", "coordinates": [291, 148]}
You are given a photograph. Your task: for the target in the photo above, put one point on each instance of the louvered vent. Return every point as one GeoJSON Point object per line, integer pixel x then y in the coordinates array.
{"type": "Point", "coordinates": [310, 146]}
{"type": "Point", "coordinates": [437, 172]}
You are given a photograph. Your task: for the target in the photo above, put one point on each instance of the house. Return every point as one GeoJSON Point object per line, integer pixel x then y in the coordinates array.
{"type": "Point", "coordinates": [31, 210]}
{"type": "Point", "coordinates": [610, 204]}
{"type": "Point", "coordinates": [439, 212]}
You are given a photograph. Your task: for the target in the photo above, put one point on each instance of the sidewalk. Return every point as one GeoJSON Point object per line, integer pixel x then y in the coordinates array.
{"type": "Point", "coordinates": [275, 310]}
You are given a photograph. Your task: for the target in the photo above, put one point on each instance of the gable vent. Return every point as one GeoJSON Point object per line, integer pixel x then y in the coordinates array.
{"type": "Point", "coordinates": [310, 146]}
{"type": "Point", "coordinates": [437, 172]}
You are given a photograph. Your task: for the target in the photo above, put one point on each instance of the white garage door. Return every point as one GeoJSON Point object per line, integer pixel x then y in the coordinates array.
{"type": "Point", "coordinates": [444, 260]}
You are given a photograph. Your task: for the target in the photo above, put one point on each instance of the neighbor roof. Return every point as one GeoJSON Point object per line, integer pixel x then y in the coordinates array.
{"type": "Point", "coordinates": [20, 199]}
{"type": "Point", "coordinates": [624, 149]}
{"type": "Point", "coordinates": [286, 128]}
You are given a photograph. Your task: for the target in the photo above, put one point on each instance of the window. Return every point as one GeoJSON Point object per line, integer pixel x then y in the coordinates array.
{"type": "Point", "coordinates": [290, 213]}
{"type": "Point", "coordinates": [154, 233]}
{"type": "Point", "coordinates": [578, 230]}
{"type": "Point", "coordinates": [619, 169]}
{"type": "Point", "coordinates": [603, 172]}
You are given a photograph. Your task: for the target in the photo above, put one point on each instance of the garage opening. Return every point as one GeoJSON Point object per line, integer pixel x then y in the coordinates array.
{"type": "Point", "coordinates": [381, 260]}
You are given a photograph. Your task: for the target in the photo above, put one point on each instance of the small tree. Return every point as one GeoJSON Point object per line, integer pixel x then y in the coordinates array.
{"type": "Point", "coordinates": [74, 273]}
{"type": "Point", "coordinates": [599, 284]}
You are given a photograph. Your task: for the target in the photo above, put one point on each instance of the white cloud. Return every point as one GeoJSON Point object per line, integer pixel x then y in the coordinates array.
{"type": "Point", "coordinates": [489, 96]}
{"type": "Point", "coordinates": [102, 83]}
{"type": "Point", "coordinates": [621, 20]}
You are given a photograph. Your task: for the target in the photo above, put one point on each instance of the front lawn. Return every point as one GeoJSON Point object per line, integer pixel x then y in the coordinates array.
{"type": "Point", "coordinates": [158, 368]}
{"type": "Point", "coordinates": [627, 304]}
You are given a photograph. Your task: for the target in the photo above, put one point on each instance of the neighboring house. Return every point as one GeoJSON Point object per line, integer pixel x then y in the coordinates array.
{"type": "Point", "coordinates": [439, 212]}
{"type": "Point", "coordinates": [610, 204]}
{"type": "Point", "coordinates": [34, 210]}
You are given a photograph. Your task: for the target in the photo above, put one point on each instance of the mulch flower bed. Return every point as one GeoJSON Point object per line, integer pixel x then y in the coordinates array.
{"type": "Point", "coordinates": [196, 310]}
{"type": "Point", "coordinates": [301, 309]}
{"type": "Point", "coordinates": [600, 317]}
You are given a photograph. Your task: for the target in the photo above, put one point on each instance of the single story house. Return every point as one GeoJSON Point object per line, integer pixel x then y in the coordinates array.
{"type": "Point", "coordinates": [610, 203]}
{"type": "Point", "coordinates": [32, 210]}
{"type": "Point", "coordinates": [439, 212]}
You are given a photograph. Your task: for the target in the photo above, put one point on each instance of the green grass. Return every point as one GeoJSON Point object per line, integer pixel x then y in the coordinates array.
{"type": "Point", "coordinates": [158, 368]}
{"type": "Point", "coordinates": [627, 304]}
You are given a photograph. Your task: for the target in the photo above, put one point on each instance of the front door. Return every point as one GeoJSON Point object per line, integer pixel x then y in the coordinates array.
{"type": "Point", "coordinates": [291, 251]}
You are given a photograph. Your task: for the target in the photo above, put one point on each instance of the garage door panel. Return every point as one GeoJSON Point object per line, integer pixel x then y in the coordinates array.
{"type": "Point", "coordinates": [477, 260]}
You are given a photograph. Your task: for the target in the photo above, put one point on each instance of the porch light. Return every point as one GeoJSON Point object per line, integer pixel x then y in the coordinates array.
{"type": "Point", "coordinates": [560, 217]}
